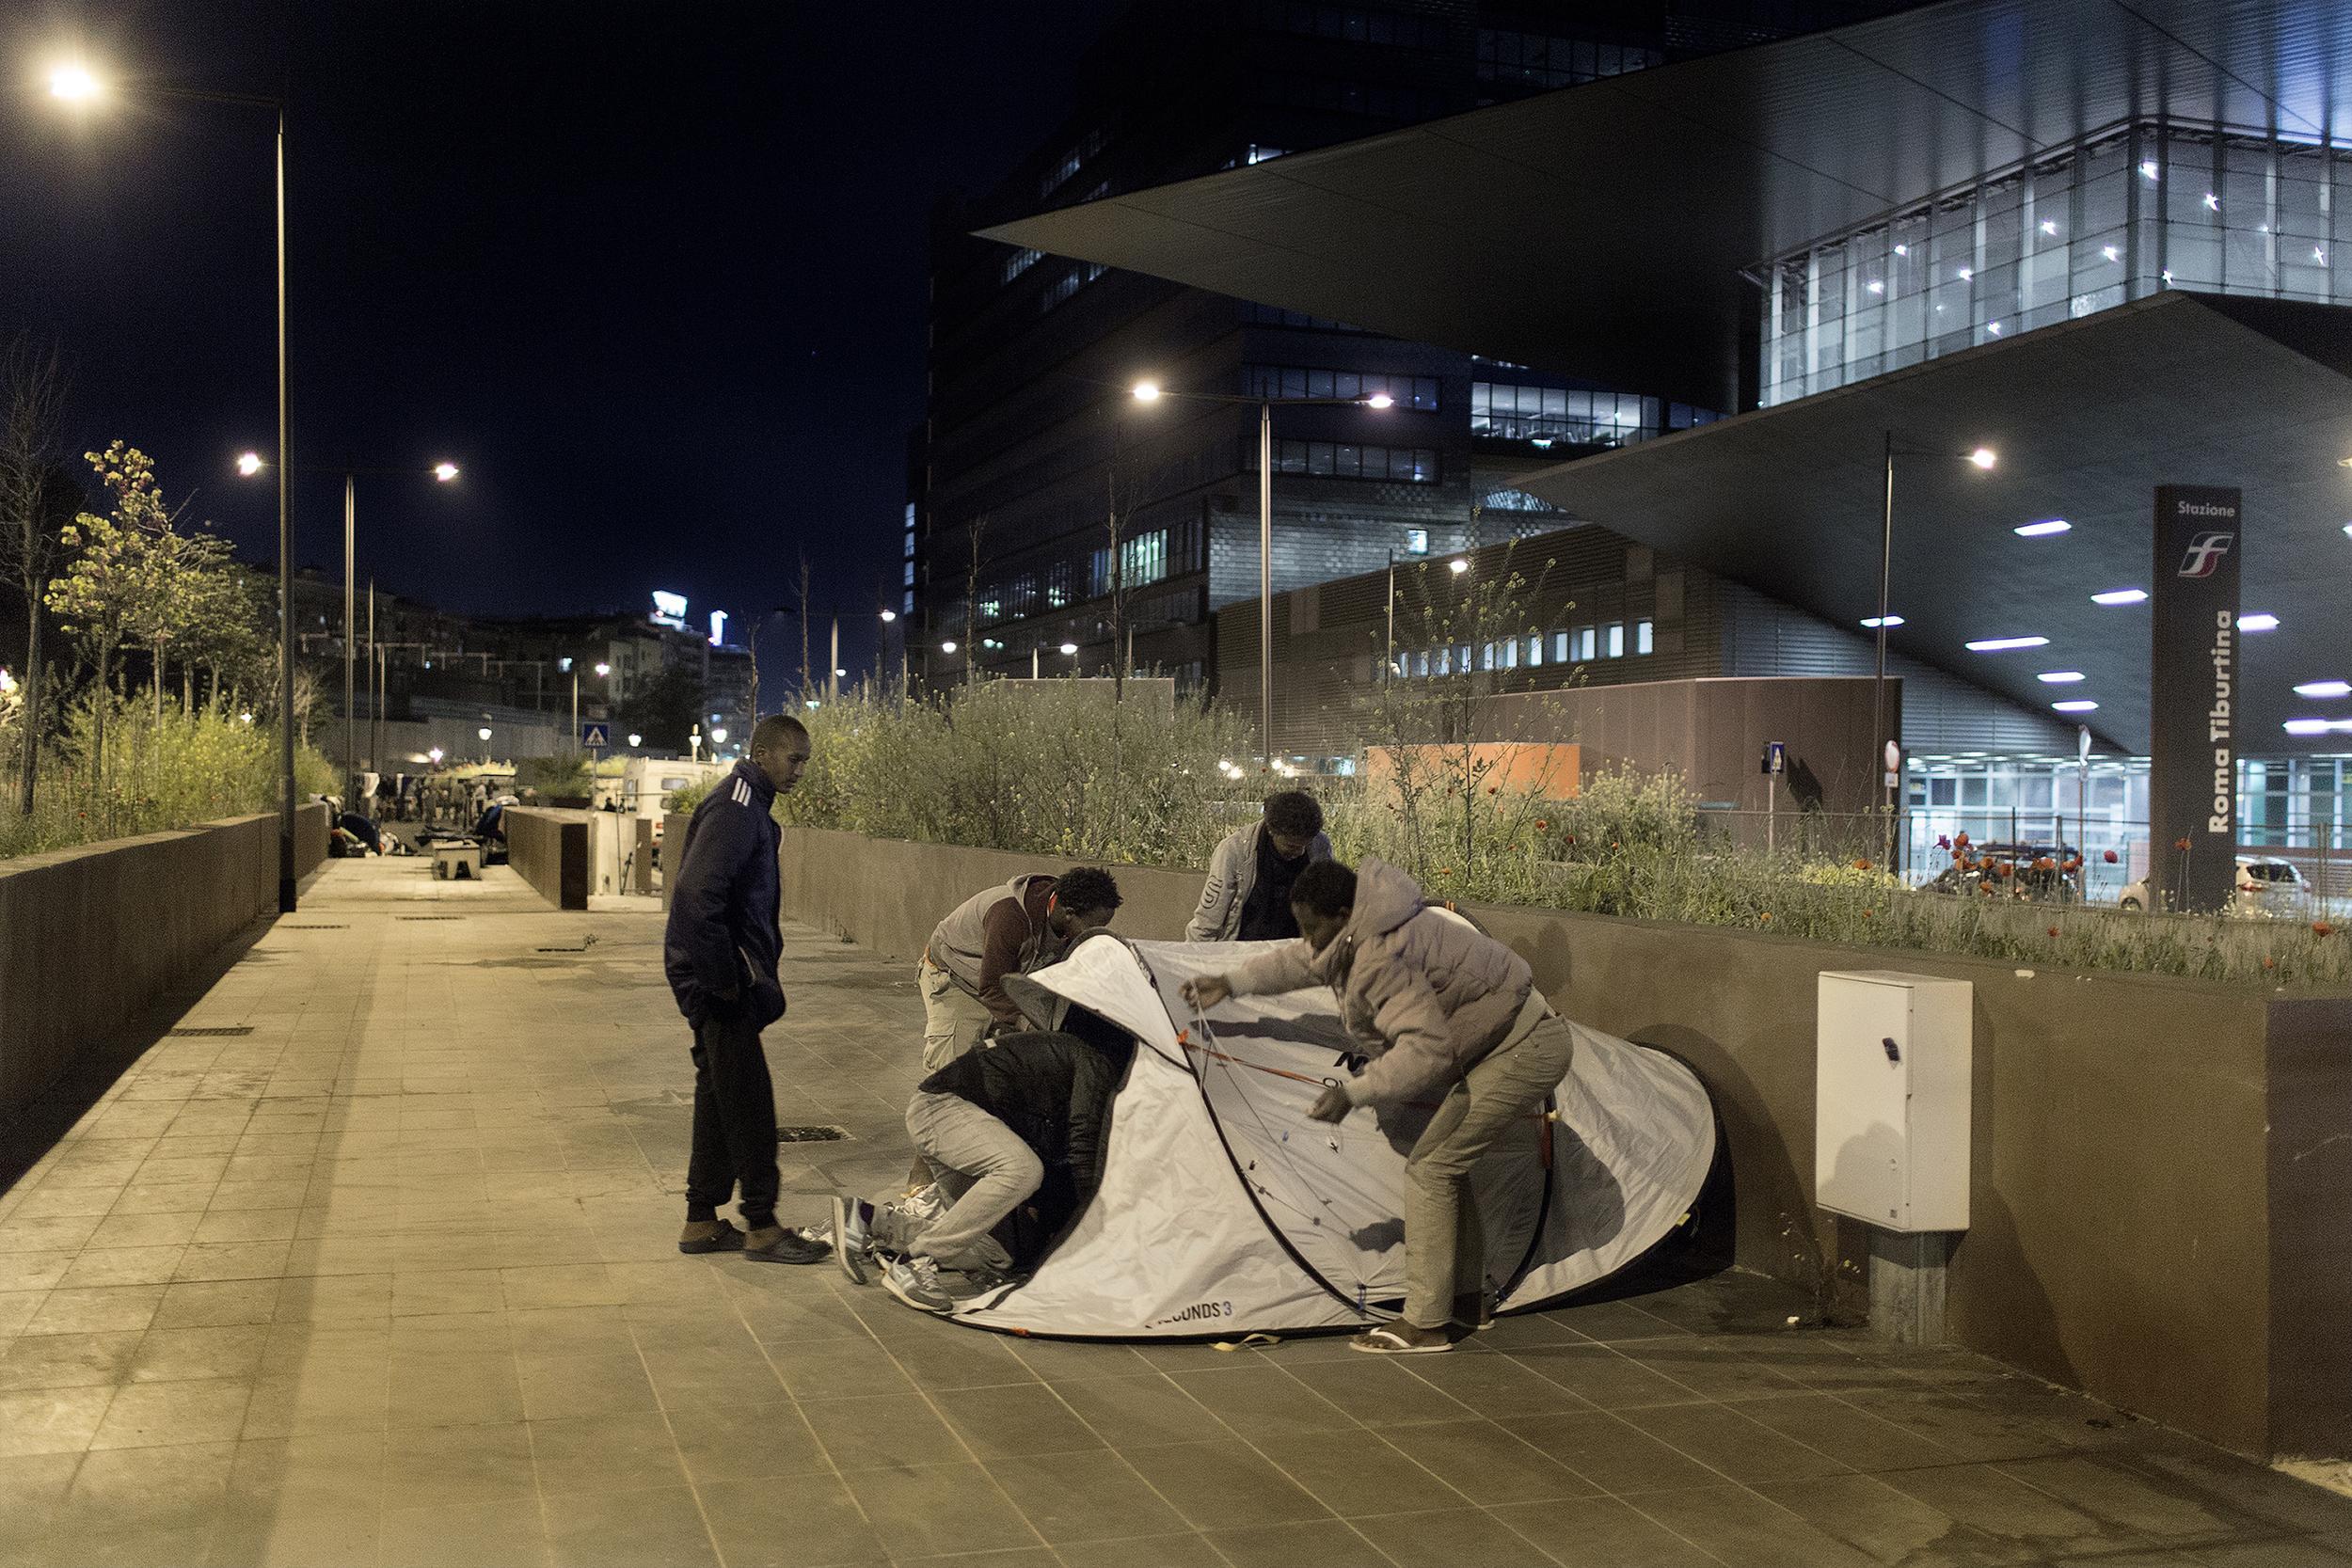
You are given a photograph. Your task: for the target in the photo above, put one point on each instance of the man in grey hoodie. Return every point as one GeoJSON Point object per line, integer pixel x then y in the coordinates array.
{"type": "Point", "coordinates": [1443, 1011]}
{"type": "Point", "coordinates": [1248, 895]}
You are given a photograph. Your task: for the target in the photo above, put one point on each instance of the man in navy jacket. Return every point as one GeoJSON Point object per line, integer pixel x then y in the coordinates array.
{"type": "Point", "coordinates": [720, 953]}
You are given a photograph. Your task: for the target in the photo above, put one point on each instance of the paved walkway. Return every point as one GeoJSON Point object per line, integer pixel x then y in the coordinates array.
{"type": "Point", "coordinates": [383, 1272]}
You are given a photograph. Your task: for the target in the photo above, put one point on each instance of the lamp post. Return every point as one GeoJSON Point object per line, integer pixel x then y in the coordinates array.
{"type": "Point", "coordinates": [1152, 392]}
{"type": "Point", "coordinates": [252, 463]}
{"type": "Point", "coordinates": [77, 84]}
{"type": "Point", "coordinates": [1982, 459]}
{"type": "Point", "coordinates": [603, 671]}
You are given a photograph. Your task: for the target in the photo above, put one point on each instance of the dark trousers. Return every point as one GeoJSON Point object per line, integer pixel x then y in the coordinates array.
{"type": "Point", "coordinates": [735, 1123]}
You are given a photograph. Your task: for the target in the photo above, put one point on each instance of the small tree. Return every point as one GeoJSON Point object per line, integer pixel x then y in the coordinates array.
{"type": "Point", "coordinates": [112, 578]}
{"type": "Point", "coordinates": [972, 602]}
{"type": "Point", "coordinates": [37, 500]}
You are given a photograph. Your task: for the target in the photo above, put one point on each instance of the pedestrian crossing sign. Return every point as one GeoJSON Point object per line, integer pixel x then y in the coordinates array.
{"type": "Point", "coordinates": [596, 737]}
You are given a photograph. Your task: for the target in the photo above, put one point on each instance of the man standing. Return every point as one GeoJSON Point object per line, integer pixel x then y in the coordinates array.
{"type": "Point", "coordinates": [1247, 895]}
{"type": "Point", "coordinates": [1029, 922]}
{"type": "Point", "coordinates": [1442, 1010]}
{"type": "Point", "coordinates": [720, 954]}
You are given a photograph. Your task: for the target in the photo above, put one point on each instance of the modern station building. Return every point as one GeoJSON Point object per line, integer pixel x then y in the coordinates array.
{"type": "Point", "coordinates": [1031, 447]}
{"type": "Point", "coordinates": [2112, 246]}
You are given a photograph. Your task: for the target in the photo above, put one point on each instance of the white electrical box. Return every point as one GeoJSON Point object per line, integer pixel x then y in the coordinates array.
{"type": "Point", "coordinates": [1891, 1072]}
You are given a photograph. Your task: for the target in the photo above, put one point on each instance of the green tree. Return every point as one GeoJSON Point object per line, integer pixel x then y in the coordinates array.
{"type": "Point", "coordinates": [666, 708]}
{"type": "Point", "coordinates": [111, 576]}
{"type": "Point", "coordinates": [37, 498]}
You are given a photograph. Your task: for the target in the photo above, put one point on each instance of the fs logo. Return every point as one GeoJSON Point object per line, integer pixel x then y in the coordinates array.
{"type": "Point", "coordinates": [2205, 554]}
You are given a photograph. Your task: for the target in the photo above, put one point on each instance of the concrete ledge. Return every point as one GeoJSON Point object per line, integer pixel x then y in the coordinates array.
{"type": "Point", "coordinates": [2161, 1166]}
{"type": "Point", "coordinates": [549, 849]}
{"type": "Point", "coordinates": [91, 935]}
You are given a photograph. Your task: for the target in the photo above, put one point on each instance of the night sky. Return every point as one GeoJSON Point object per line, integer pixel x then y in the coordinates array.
{"type": "Point", "coordinates": [653, 274]}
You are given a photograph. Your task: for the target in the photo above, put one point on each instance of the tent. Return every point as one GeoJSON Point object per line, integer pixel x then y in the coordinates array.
{"type": "Point", "coordinates": [1224, 1210]}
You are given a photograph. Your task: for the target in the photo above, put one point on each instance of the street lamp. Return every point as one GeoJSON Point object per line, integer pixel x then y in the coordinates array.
{"type": "Point", "coordinates": [1151, 392]}
{"type": "Point", "coordinates": [252, 463]}
{"type": "Point", "coordinates": [635, 739]}
{"type": "Point", "coordinates": [1982, 459]}
{"type": "Point", "coordinates": [73, 83]}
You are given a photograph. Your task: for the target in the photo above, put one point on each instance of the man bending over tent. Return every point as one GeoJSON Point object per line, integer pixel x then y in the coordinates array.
{"type": "Point", "coordinates": [1026, 925]}
{"type": "Point", "coordinates": [1443, 1011]}
{"type": "Point", "coordinates": [988, 1127]}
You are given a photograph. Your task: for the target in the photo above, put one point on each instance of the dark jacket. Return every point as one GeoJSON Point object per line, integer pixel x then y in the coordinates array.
{"type": "Point", "coordinates": [723, 934]}
{"type": "Point", "coordinates": [1053, 1089]}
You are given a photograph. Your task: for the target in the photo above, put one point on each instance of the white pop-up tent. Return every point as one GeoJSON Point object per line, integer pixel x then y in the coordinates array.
{"type": "Point", "coordinates": [1224, 1210]}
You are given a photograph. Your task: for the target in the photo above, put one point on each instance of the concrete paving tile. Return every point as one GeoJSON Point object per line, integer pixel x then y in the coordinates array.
{"type": "Point", "coordinates": [865, 1431]}
{"type": "Point", "coordinates": [1359, 1477]}
{"type": "Point", "coordinates": [1845, 1432]}
{"type": "Point", "coordinates": [1263, 1401]}
{"type": "Point", "coordinates": [148, 1231]}
{"type": "Point", "coordinates": [1224, 1485]}
{"type": "Point", "coordinates": [798, 1521]}
{"type": "Point", "coordinates": [215, 1303]}
{"type": "Point", "coordinates": [17, 1308]}
{"type": "Point", "coordinates": [67, 1360]}
{"type": "Point", "coordinates": [1014, 1419]}
{"type": "Point", "coordinates": [1721, 1438]}
{"type": "Point", "coordinates": [1324, 1541]}
{"type": "Point", "coordinates": [129, 1265]}
{"type": "Point", "coordinates": [206, 1260]}
{"type": "Point", "coordinates": [243, 1537]}
{"type": "Point", "coordinates": [2130, 1503]}
{"type": "Point", "coordinates": [333, 1298]}
{"type": "Point", "coordinates": [605, 1453]}
{"type": "Point", "coordinates": [417, 1293]}
{"type": "Point", "coordinates": [710, 1374]}
{"type": "Point", "coordinates": [658, 1528]}
{"type": "Point", "coordinates": [57, 1233]}
{"type": "Point", "coordinates": [2000, 1506]}
{"type": "Point", "coordinates": [1613, 1455]}
{"type": "Point", "coordinates": [456, 1465]}
{"type": "Point", "coordinates": [1382, 1392]}
{"type": "Point", "coordinates": [1448, 1538]}
{"type": "Point", "coordinates": [1745, 1528]}
{"type": "Point", "coordinates": [1492, 1385]}
{"type": "Point", "coordinates": [1885, 1525]}
{"type": "Point", "coordinates": [173, 1355]}
{"type": "Point", "coordinates": [32, 1489]}
{"type": "Point", "coordinates": [453, 1390]}
{"type": "Point", "coordinates": [1489, 1463]}
{"type": "Point", "coordinates": [174, 1487]}
{"type": "Point", "coordinates": [927, 1510]}
{"type": "Point", "coordinates": [320, 1471]}
{"type": "Point", "coordinates": [559, 1385]}
{"type": "Point", "coordinates": [838, 1369]}
{"type": "Point", "coordinates": [147, 1415]}
{"type": "Point", "coordinates": [1188, 1549]}
{"type": "Point", "coordinates": [97, 1310]}
{"type": "Point", "coordinates": [1600, 1375]}
{"type": "Point", "coordinates": [1142, 1412]}
{"type": "Point", "coordinates": [1084, 1496]}
{"type": "Point", "coordinates": [744, 1440]}
{"type": "Point", "coordinates": [1602, 1532]}
{"type": "Point", "coordinates": [508, 1531]}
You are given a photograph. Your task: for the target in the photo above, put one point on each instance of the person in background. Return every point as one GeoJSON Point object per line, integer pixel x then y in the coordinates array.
{"type": "Point", "coordinates": [1028, 923]}
{"type": "Point", "coordinates": [1443, 1011]}
{"type": "Point", "coordinates": [988, 1129]}
{"type": "Point", "coordinates": [1247, 895]}
{"type": "Point", "coordinates": [720, 954]}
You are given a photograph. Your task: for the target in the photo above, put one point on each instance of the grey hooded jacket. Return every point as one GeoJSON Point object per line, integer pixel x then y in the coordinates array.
{"type": "Point", "coordinates": [1233, 872]}
{"type": "Point", "coordinates": [1423, 993]}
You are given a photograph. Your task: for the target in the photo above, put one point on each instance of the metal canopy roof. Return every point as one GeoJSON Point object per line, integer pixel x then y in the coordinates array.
{"type": "Point", "coordinates": [2087, 418]}
{"type": "Point", "coordinates": [1600, 229]}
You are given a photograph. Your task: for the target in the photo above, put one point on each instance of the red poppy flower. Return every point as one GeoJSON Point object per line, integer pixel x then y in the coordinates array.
{"type": "Point", "coordinates": [2054, 932]}
{"type": "Point", "coordinates": [1862, 865]}
{"type": "Point", "coordinates": [2320, 929]}
{"type": "Point", "coordinates": [2182, 845]}
{"type": "Point", "coordinates": [2107, 855]}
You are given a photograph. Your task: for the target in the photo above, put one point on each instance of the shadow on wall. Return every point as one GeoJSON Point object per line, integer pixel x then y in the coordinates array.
{"type": "Point", "coordinates": [1749, 1143]}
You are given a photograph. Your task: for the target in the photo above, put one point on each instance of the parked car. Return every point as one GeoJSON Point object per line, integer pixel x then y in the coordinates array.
{"type": "Point", "coordinates": [2043, 872]}
{"type": "Point", "coordinates": [2264, 889]}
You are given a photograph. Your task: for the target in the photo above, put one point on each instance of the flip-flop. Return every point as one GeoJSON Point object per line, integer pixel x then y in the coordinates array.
{"type": "Point", "coordinates": [1388, 1341]}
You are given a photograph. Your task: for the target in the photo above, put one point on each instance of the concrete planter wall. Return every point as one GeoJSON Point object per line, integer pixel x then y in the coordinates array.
{"type": "Point", "coordinates": [90, 937]}
{"type": "Point", "coordinates": [550, 849]}
{"type": "Point", "coordinates": [2161, 1166]}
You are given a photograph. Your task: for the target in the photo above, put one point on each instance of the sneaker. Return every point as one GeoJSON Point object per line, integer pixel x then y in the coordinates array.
{"type": "Point", "coordinates": [916, 1282]}
{"type": "Point", "coordinates": [852, 1219]}
{"type": "Point", "coordinates": [773, 1243]}
{"type": "Point", "coordinates": [710, 1236]}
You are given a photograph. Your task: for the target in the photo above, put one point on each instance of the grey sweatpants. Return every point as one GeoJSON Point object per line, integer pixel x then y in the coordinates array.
{"type": "Point", "coordinates": [1445, 1246]}
{"type": "Point", "coordinates": [981, 1166]}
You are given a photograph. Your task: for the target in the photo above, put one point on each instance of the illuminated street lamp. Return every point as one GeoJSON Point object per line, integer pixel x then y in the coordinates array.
{"type": "Point", "coordinates": [1982, 459]}
{"type": "Point", "coordinates": [72, 82]}
{"type": "Point", "coordinates": [252, 463]}
{"type": "Point", "coordinates": [1151, 392]}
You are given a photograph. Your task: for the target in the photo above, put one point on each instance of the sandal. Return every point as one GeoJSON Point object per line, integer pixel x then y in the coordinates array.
{"type": "Point", "coordinates": [1401, 1340]}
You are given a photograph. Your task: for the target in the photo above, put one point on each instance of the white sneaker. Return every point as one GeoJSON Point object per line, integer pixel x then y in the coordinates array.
{"type": "Point", "coordinates": [916, 1282]}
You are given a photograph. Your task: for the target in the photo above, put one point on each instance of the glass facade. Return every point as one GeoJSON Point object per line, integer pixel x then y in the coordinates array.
{"type": "Point", "coordinates": [1509, 411]}
{"type": "Point", "coordinates": [2113, 217]}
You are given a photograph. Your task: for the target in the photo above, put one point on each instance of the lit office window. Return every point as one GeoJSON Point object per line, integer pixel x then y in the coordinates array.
{"type": "Point", "coordinates": [1560, 647]}
{"type": "Point", "coordinates": [2084, 229]}
{"type": "Point", "coordinates": [1405, 464]}
{"type": "Point", "coordinates": [1020, 261]}
{"type": "Point", "coordinates": [1640, 636]}
{"type": "Point", "coordinates": [1306, 381]}
{"type": "Point", "coordinates": [1586, 643]}
{"type": "Point", "coordinates": [1612, 639]}
{"type": "Point", "coordinates": [1416, 541]}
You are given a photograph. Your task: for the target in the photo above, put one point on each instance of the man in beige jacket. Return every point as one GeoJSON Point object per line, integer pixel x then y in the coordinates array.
{"type": "Point", "coordinates": [1443, 1011]}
